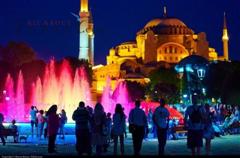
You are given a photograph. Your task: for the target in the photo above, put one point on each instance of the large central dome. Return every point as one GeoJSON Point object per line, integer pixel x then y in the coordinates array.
{"type": "Point", "coordinates": [165, 22]}
{"type": "Point", "coordinates": [153, 23]}
{"type": "Point", "coordinates": [166, 26]}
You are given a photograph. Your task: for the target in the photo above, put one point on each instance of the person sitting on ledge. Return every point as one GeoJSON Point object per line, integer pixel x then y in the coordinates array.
{"type": "Point", "coordinates": [14, 128]}
{"type": "Point", "coordinates": [2, 128]}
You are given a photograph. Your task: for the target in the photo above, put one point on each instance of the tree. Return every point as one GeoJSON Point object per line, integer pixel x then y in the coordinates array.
{"type": "Point", "coordinates": [76, 63]}
{"type": "Point", "coordinates": [222, 81]}
{"type": "Point", "coordinates": [164, 84]}
{"type": "Point", "coordinates": [136, 90]}
{"type": "Point", "coordinates": [17, 53]}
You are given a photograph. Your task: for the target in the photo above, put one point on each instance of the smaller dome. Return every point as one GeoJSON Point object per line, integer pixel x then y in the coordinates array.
{"type": "Point", "coordinates": [153, 23]}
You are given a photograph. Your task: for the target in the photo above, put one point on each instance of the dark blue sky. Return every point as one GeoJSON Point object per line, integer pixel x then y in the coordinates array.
{"type": "Point", "coordinates": [51, 30]}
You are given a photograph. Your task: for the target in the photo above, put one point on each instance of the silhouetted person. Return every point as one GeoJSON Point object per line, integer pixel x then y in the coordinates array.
{"type": "Point", "coordinates": [161, 121]}
{"type": "Point", "coordinates": [33, 119]}
{"type": "Point", "coordinates": [53, 126]}
{"type": "Point", "coordinates": [82, 129]}
{"type": "Point", "coordinates": [138, 119]}
{"type": "Point", "coordinates": [63, 121]}
{"type": "Point", "coordinates": [208, 132]}
{"type": "Point", "coordinates": [45, 125]}
{"type": "Point", "coordinates": [193, 121]}
{"type": "Point", "coordinates": [14, 128]}
{"type": "Point", "coordinates": [2, 128]}
{"type": "Point", "coordinates": [41, 122]}
{"type": "Point", "coordinates": [108, 132]}
{"type": "Point", "coordinates": [99, 121]}
{"type": "Point", "coordinates": [119, 128]}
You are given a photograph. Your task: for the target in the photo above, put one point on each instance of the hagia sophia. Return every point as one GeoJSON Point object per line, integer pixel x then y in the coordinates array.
{"type": "Point", "coordinates": [165, 40]}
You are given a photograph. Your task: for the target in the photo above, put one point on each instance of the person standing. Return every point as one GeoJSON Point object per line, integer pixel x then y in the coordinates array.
{"type": "Point", "coordinates": [45, 125]}
{"type": "Point", "coordinates": [33, 119]}
{"type": "Point", "coordinates": [208, 132]}
{"type": "Point", "coordinates": [63, 121]}
{"type": "Point", "coordinates": [193, 122]}
{"type": "Point", "coordinates": [119, 128]}
{"type": "Point", "coordinates": [41, 122]}
{"type": "Point", "coordinates": [53, 126]}
{"type": "Point", "coordinates": [161, 121]}
{"type": "Point", "coordinates": [108, 132]}
{"type": "Point", "coordinates": [82, 118]}
{"type": "Point", "coordinates": [2, 128]}
{"type": "Point", "coordinates": [99, 121]}
{"type": "Point", "coordinates": [150, 121]}
{"type": "Point", "coordinates": [138, 120]}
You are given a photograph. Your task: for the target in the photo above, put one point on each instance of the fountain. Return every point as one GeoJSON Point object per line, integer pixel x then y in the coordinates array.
{"type": "Point", "coordinates": [61, 88]}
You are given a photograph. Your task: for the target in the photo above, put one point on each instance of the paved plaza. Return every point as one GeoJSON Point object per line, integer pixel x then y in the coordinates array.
{"type": "Point", "coordinates": [225, 145]}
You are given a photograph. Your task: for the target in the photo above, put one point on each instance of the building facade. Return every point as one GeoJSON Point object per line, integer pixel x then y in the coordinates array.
{"type": "Point", "coordinates": [165, 40]}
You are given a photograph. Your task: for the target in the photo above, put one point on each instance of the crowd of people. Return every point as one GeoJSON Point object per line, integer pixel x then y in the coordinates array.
{"type": "Point", "coordinates": [94, 128]}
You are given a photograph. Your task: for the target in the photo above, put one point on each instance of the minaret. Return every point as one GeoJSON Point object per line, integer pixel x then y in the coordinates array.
{"type": "Point", "coordinates": [165, 12]}
{"type": "Point", "coordinates": [86, 38]}
{"type": "Point", "coordinates": [225, 39]}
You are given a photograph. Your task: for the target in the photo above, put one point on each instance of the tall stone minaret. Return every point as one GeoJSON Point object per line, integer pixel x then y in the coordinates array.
{"type": "Point", "coordinates": [86, 46]}
{"type": "Point", "coordinates": [225, 39]}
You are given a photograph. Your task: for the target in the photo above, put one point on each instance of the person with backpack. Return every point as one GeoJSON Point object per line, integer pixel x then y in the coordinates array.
{"type": "Point", "coordinates": [82, 130]}
{"type": "Point", "coordinates": [161, 120]}
{"type": "Point", "coordinates": [194, 123]}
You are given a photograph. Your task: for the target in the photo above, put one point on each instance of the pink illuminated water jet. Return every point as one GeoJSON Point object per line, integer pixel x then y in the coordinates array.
{"type": "Point", "coordinates": [64, 89]}
{"type": "Point", "coordinates": [120, 95]}
{"type": "Point", "coordinates": [9, 98]}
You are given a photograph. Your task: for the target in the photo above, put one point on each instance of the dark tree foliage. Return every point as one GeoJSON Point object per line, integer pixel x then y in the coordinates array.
{"type": "Point", "coordinates": [31, 71]}
{"type": "Point", "coordinates": [222, 81]}
{"type": "Point", "coordinates": [164, 83]}
{"type": "Point", "coordinates": [17, 53]}
{"type": "Point", "coordinates": [76, 63]}
{"type": "Point", "coordinates": [136, 90]}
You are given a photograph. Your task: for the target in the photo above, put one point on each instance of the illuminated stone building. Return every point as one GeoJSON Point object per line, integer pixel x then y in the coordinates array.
{"type": "Point", "coordinates": [165, 40]}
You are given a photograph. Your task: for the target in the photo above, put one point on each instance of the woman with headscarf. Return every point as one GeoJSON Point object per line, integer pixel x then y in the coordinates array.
{"type": "Point", "coordinates": [53, 121]}
{"type": "Point", "coordinates": [99, 122]}
{"type": "Point", "coordinates": [119, 128]}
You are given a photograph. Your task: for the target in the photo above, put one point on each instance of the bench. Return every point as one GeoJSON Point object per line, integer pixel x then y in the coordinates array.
{"type": "Point", "coordinates": [10, 132]}
{"type": "Point", "coordinates": [180, 130]}
{"type": "Point", "coordinates": [234, 128]}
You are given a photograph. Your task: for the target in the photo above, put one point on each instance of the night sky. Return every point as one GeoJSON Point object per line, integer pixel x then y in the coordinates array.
{"type": "Point", "coordinates": [49, 28]}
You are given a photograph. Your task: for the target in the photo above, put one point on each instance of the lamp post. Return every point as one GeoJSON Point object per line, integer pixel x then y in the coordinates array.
{"type": "Point", "coordinates": [201, 73]}
{"type": "Point", "coordinates": [194, 69]}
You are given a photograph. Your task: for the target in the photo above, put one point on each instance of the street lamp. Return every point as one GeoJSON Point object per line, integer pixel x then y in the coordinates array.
{"type": "Point", "coordinates": [194, 66]}
{"type": "Point", "coordinates": [201, 73]}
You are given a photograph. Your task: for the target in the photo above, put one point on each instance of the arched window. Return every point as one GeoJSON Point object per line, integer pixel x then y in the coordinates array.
{"type": "Point", "coordinates": [166, 50]}
{"type": "Point", "coordinates": [170, 49]}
